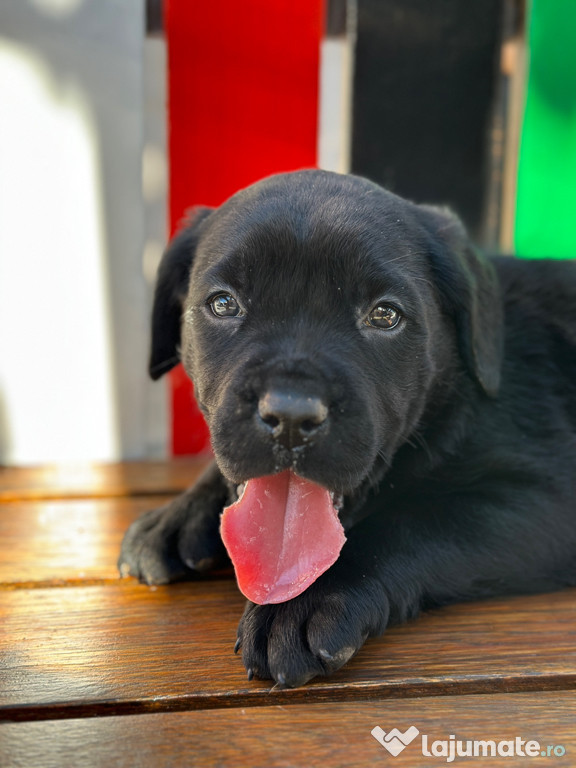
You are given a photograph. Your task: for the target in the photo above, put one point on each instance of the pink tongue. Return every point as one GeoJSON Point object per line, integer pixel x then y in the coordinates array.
{"type": "Point", "coordinates": [281, 535]}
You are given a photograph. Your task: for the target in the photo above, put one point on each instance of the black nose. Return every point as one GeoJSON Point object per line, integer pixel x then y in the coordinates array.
{"type": "Point", "coordinates": [292, 419]}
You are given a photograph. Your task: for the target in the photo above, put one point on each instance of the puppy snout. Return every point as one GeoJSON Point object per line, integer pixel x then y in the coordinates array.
{"type": "Point", "coordinates": [292, 419]}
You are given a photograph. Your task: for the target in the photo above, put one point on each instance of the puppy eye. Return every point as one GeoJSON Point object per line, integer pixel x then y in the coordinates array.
{"type": "Point", "coordinates": [224, 305]}
{"type": "Point", "coordinates": [383, 316]}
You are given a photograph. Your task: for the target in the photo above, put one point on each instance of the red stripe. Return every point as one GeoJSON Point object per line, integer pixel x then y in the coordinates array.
{"type": "Point", "coordinates": [243, 103]}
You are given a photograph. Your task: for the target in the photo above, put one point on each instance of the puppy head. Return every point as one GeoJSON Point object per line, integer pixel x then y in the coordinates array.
{"type": "Point", "coordinates": [320, 318]}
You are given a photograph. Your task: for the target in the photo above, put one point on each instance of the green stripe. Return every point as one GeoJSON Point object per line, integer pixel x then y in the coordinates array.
{"type": "Point", "coordinates": [546, 197]}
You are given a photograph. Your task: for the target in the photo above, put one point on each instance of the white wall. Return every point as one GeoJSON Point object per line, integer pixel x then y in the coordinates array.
{"type": "Point", "coordinates": [74, 301]}
{"type": "Point", "coordinates": [334, 129]}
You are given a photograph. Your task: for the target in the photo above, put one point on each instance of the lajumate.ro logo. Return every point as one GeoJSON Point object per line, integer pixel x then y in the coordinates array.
{"type": "Point", "coordinates": [396, 741]}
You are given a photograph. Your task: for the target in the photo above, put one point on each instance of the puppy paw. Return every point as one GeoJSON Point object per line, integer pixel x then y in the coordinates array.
{"type": "Point", "coordinates": [314, 634]}
{"type": "Point", "coordinates": [173, 542]}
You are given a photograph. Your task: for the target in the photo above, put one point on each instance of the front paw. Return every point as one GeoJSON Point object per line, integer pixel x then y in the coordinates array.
{"type": "Point", "coordinates": [313, 634]}
{"type": "Point", "coordinates": [173, 542]}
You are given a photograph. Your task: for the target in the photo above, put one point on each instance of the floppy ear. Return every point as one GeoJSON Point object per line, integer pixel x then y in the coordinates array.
{"type": "Point", "coordinates": [171, 289]}
{"type": "Point", "coordinates": [470, 292]}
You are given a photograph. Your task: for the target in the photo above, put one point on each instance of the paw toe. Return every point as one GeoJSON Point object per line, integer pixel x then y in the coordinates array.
{"type": "Point", "coordinates": [148, 553]}
{"type": "Point", "coordinates": [337, 659]}
{"type": "Point", "coordinates": [290, 679]}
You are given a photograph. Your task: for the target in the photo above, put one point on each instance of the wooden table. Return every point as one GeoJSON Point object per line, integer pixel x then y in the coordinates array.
{"type": "Point", "coordinates": [98, 671]}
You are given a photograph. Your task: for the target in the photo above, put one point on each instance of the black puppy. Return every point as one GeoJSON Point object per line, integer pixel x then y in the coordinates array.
{"type": "Point", "coordinates": [340, 335]}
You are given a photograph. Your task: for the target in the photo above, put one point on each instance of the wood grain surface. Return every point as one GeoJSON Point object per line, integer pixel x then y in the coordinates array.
{"type": "Point", "coordinates": [97, 670]}
{"type": "Point", "coordinates": [134, 648]}
{"type": "Point", "coordinates": [301, 736]}
{"type": "Point", "coordinates": [65, 542]}
{"type": "Point", "coordinates": [100, 480]}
